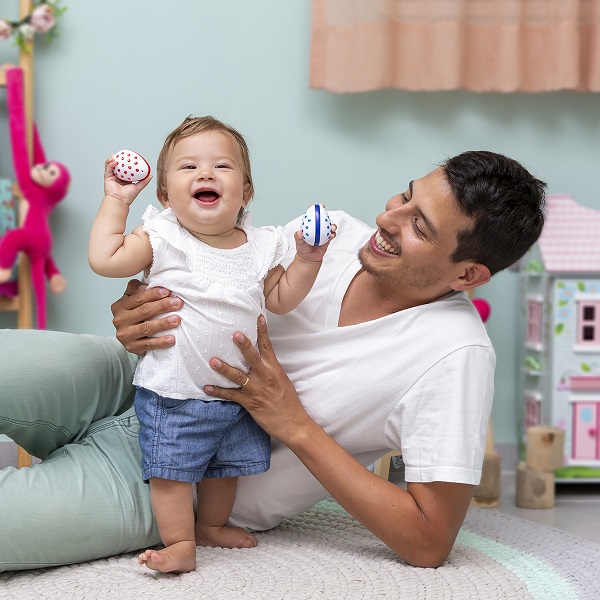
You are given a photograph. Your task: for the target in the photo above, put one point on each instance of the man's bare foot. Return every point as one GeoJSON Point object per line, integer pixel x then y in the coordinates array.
{"type": "Point", "coordinates": [176, 558]}
{"type": "Point", "coordinates": [224, 537]}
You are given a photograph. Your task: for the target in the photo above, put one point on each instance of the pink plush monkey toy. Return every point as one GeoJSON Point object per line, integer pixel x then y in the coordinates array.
{"type": "Point", "coordinates": [43, 186]}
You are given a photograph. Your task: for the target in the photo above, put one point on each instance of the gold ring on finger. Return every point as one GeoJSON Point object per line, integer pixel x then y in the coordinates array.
{"type": "Point", "coordinates": [246, 382]}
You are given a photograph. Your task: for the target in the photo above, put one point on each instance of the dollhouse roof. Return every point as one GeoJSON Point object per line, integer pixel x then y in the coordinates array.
{"type": "Point", "coordinates": [570, 240]}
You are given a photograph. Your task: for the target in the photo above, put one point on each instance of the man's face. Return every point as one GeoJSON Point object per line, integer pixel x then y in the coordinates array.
{"type": "Point", "coordinates": [417, 233]}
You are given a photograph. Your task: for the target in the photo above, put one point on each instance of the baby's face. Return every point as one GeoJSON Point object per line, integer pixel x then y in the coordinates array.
{"type": "Point", "coordinates": [205, 183]}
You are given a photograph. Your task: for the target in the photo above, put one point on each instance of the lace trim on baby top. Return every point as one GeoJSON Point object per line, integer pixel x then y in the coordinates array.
{"type": "Point", "coordinates": [231, 268]}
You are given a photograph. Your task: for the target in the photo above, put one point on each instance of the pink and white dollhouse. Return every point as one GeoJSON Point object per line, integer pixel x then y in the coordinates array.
{"type": "Point", "coordinates": [560, 287]}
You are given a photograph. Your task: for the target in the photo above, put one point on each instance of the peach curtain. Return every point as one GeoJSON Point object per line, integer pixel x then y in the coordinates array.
{"type": "Point", "coordinates": [479, 45]}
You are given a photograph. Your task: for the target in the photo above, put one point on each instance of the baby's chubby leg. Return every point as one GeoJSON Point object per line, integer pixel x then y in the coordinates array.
{"type": "Point", "coordinates": [172, 502]}
{"type": "Point", "coordinates": [215, 501]}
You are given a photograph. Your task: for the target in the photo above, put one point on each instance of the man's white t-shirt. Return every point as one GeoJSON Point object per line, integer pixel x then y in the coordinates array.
{"type": "Point", "coordinates": [419, 381]}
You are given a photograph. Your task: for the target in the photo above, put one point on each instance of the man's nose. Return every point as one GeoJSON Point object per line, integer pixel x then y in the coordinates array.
{"type": "Point", "coordinates": [392, 216]}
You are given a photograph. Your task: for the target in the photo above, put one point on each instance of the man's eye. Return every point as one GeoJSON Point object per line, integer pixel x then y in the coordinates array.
{"type": "Point", "coordinates": [405, 199]}
{"type": "Point", "coordinates": [417, 229]}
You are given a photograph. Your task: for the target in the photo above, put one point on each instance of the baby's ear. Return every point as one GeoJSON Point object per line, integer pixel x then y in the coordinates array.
{"type": "Point", "coordinates": [162, 198]}
{"type": "Point", "coordinates": [248, 193]}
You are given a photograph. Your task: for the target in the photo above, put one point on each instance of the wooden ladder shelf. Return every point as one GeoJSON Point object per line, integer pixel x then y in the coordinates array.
{"type": "Point", "coordinates": [22, 304]}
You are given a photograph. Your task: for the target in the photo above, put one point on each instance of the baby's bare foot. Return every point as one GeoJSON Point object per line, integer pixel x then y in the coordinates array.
{"type": "Point", "coordinates": [176, 558]}
{"type": "Point", "coordinates": [224, 537]}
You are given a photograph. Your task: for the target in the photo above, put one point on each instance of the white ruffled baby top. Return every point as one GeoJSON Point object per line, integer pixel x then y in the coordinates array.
{"type": "Point", "coordinates": [222, 292]}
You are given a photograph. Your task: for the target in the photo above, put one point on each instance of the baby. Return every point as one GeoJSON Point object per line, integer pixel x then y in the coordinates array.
{"type": "Point", "coordinates": [227, 273]}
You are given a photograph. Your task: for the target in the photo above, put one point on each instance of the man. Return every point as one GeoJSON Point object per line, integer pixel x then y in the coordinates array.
{"type": "Point", "coordinates": [386, 352]}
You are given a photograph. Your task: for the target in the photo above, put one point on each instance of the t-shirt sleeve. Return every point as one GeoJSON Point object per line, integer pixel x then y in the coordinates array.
{"type": "Point", "coordinates": [440, 424]}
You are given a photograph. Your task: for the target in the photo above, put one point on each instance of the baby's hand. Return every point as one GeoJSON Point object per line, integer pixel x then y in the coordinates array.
{"type": "Point", "coordinates": [312, 253]}
{"type": "Point", "coordinates": [123, 191]}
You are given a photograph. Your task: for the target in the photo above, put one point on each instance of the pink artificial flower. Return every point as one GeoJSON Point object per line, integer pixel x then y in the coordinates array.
{"type": "Point", "coordinates": [5, 29]}
{"type": "Point", "coordinates": [42, 18]}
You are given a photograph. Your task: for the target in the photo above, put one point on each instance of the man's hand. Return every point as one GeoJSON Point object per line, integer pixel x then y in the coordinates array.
{"type": "Point", "coordinates": [266, 392]}
{"type": "Point", "coordinates": [132, 311]}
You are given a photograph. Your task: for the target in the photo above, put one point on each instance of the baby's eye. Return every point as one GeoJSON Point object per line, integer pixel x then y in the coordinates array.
{"type": "Point", "coordinates": [188, 167]}
{"type": "Point", "coordinates": [223, 166]}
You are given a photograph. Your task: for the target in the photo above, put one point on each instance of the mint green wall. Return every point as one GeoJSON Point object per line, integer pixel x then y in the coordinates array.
{"type": "Point", "coordinates": [125, 74]}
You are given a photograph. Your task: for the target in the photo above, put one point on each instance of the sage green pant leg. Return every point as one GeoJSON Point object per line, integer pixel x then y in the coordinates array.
{"type": "Point", "coordinates": [54, 385]}
{"type": "Point", "coordinates": [85, 501]}
{"type": "Point", "coordinates": [58, 397]}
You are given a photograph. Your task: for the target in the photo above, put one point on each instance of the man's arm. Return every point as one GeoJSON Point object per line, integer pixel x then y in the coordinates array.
{"type": "Point", "coordinates": [420, 524]}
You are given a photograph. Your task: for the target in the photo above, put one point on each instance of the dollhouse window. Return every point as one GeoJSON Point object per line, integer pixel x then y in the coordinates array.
{"type": "Point", "coordinates": [588, 323]}
{"type": "Point", "coordinates": [534, 323]}
{"type": "Point", "coordinates": [533, 409]}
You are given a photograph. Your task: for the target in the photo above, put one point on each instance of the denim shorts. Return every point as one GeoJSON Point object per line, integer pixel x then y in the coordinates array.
{"type": "Point", "coordinates": [186, 440]}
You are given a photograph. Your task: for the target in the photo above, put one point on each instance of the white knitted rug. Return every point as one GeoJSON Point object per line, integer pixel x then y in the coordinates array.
{"type": "Point", "coordinates": [325, 554]}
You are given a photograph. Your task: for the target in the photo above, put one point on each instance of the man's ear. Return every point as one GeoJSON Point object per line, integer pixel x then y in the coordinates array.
{"type": "Point", "coordinates": [472, 277]}
{"type": "Point", "coordinates": [162, 198]}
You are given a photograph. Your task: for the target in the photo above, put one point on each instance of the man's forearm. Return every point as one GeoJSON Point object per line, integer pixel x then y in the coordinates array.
{"type": "Point", "coordinates": [419, 528]}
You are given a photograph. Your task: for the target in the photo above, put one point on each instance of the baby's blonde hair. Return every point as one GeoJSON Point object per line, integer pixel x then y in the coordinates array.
{"type": "Point", "coordinates": [192, 126]}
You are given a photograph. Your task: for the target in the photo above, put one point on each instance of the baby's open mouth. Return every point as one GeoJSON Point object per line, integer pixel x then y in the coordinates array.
{"type": "Point", "coordinates": [206, 196]}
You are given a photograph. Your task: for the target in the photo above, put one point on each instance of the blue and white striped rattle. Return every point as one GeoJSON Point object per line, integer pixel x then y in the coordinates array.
{"type": "Point", "coordinates": [316, 225]}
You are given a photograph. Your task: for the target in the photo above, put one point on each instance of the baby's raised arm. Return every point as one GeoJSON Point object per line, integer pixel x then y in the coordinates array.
{"type": "Point", "coordinates": [111, 253]}
{"type": "Point", "coordinates": [286, 288]}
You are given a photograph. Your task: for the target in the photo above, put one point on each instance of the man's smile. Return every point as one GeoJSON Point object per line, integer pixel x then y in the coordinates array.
{"type": "Point", "coordinates": [381, 246]}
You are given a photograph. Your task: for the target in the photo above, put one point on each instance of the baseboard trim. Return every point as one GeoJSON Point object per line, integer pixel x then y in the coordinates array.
{"type": "Point", "coordinates": [509, 457]}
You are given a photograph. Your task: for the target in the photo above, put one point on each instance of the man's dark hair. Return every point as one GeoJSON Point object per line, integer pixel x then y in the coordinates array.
{"type": "Point", "coordinates": [506, 202]}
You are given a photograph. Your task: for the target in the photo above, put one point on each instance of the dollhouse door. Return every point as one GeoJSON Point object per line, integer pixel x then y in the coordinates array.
{"type": "Point", "coordinates": [586, 431]}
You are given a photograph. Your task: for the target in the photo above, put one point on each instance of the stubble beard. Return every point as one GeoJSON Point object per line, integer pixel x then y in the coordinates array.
{"type": "Point", "coordinates": [402, 278]}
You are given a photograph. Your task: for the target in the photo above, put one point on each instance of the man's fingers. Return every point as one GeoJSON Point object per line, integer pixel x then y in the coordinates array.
{"type": "Point", "coordinates": [138, 322]}
{"type": "Point", "coordinates": [152, 302]}
{"type": "Point", "coordinates": [251, 354]}
{"type": "Point", "coordinates": [133, 286]}
{"type": "Point", "coordinates": [141, 346]}
{"type": "Point", "coordinates": [263, 340]}
{"type": "Point", "coordinates": [230, 394]}
{"type": "Point", "coordinates": [135, 337]}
